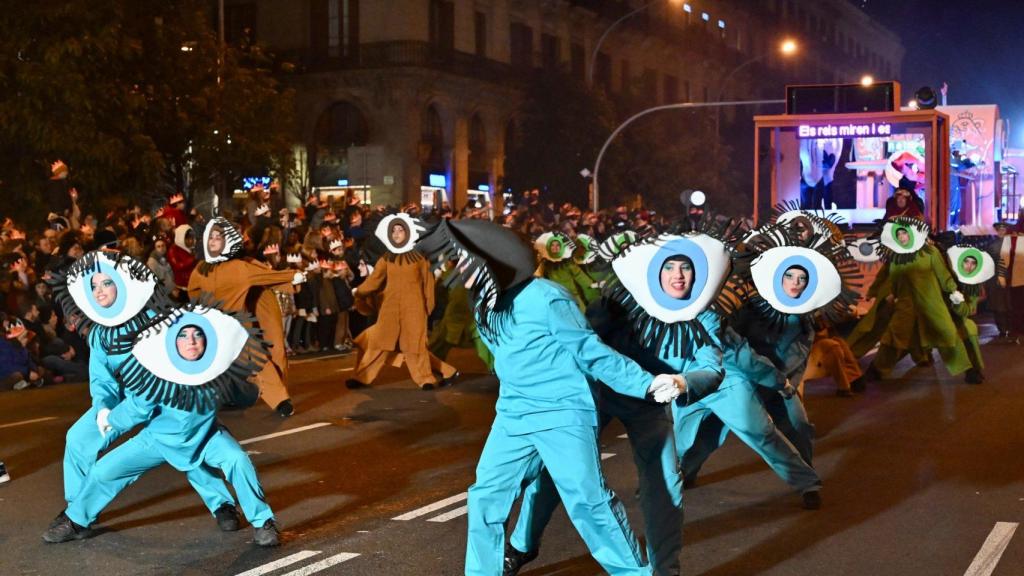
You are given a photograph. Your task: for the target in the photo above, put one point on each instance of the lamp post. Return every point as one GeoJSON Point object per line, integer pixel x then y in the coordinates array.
{"type": "Point", "coordinates": [642, 113]}
{"type": "Point", "coordinates": [597, 47]}
{"type": "Point", "coordinates": [787, 48]}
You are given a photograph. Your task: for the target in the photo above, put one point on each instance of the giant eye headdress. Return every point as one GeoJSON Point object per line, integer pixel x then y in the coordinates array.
{"type": "Point", "coordinates": [701, 262]}
{"type": "Point", "coordinates": [587, 252]}
{"type": "Point", "coordinates": [554, 247]}
{"type": "Point", "coordinates": [972, 267]}
{"type": "Point", "coordinates": [220, 351]}
{"type": "Point", "coordinates": [823, 227]}
{"type": "Point", "coordinates": [901, 238]}
{"type": "Point", "coordinates": [233, 241]}
{"type": "Point", "coordinates": [404, 252]}
{"type": "Point", "coordinates": [490, 260]}
{"type": "Point", "coordinates": [109, 290]}
{"type": "Point", "coordinates": [820, 277]}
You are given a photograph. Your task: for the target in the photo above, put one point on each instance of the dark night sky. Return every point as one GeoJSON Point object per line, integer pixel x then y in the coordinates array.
{"type": "Point", "coordinates": [977, 46]}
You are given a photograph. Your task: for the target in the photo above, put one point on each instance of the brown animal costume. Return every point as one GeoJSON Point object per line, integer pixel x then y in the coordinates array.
{"type": "Point", "coordinates": [241, 285]}
{"type": "Point", "coordinates": [408, 297]}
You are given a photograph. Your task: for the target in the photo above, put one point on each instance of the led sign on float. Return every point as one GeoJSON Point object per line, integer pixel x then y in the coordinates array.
{"type": "Point", "coordinates": [483, 188]}
{"type": "Point", "coordinates": [844, 130]}
{"type": "Point", "coordinates": [343, 182]}
{"type": "Point", "coordinates": [438, 180]}
{"type": "Point", "coordinates": [250, 181]}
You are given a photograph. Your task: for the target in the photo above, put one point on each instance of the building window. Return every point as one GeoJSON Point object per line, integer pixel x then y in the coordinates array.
{"type": "Point", "coordinates": [578, 61]}
{"type": "Point", "coordinates": [626, 77]}
{"type": "Point", "coordinates": [707, 97]}
{"type": "Point", "coordinates": [442, 25]}
{"type": "Point", "coordinates": [687, 94]}
{"type": "Point", "coordinates": [603, 71]}
{"type": "Point", "coordinates": [521, 39]}
{"type": "Point", "coordinates": [432, 137]}
{"type": "Point", "coordinates": [335, 28]}
{"type": "Point", "coordinates": [549, 47]}
{"type": "Point", "coordinates": [480, 33]}
{"type": "Point", "coordinates": [671, 89]}
{"type": "Point", "coordinates": [650, 80]}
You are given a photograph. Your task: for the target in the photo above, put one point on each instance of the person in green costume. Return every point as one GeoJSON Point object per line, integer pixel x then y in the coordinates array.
{"type": "Point", "coordinates": [457, 328]}
{"type": "Point", "coordinates": [597, 272]}
{"type": "Point", "coordinates": [920, 318]}
{"type": "Point", "coordinates": [555, 250]}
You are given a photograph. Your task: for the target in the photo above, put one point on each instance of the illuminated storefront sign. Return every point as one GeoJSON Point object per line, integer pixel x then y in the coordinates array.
{"type": "Point", "coordinates": [867, 129]}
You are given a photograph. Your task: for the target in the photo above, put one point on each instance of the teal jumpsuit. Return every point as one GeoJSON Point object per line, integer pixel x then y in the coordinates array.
{"type": "Point", "coordinates": [546, 358]}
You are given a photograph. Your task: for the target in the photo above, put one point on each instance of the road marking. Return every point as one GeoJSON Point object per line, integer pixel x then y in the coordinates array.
{"type": "Point", "coordinates": [987, 558]}
{"type": "Point", "coordinates": [606, 455]}
{"type": "Point", "coordinates": [325, 563]}
{"type": "Point", "coordinates": [623, 436]}
{"type": "Point", "coordinates": [432, 507]}
{"type": "Point", "coordinates": [286, 561]}
{"type": "Point", "coordinates": [449, 515]}
{"type": "Point", "coordinates": [317, 359]}
{"type": "Point", "coordinates": [285, 433]}
{"type": "Point", "coordinates": [32, 421]}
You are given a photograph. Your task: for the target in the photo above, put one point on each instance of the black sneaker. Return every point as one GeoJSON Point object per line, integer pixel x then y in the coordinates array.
{"type": "Point", "coordinates": [60, 518]}
{"type": "Point", "coordinates": [284, 410]}
{"type": "Point", "coordinates": [266, 535]}
{"type": "Point", "coordinates": [515, 560]}
{"type": "Point", "coordinates": [427, 386]}
{"type": "Point", "coordinates": [450, 381]}
{"type": "Point", "coordinates": [4, 476]}
{"type": "Point", "coordinates": [65, 531]}
{"type": "Point", "coordinates": [974, 376]}
{"type": "Point", "coordinates": [227, 518]}
{"type": "Point", "coordinates": [812, 499]}
{"type": "Point", "coordinates": [353, 384]}
{"type": "Point", "coordinates": [859, 385]}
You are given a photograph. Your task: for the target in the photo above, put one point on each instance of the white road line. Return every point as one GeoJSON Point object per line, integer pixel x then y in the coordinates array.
{"type": "Point", "coordinates": [317, 359]}
{"type": "Point", "coordinates": [325, 563]}
{"type": "Point", "coordinates": [606, 455]}
{"type": "Point", "coordinates": [285, 432]}
{"type": "Point", "coordinates": [987, 558]}
{"type": "Point", "coordinates": [623, 436]}
{"type": "Point", "coordinates": [286, 561]}
{"type": "Point", "coordinates": [32, 421]}
{"type": "Point", "coordinates": [449, 515]}
{"type": "Point", "coordinates": [432, 507]}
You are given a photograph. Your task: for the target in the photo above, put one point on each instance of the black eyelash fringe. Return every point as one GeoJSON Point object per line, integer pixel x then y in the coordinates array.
{"type": "Point", "coordinates": [407, 258]}
{"type": "Point", "coordinates": [205, 397]}
{"type": "Point", "coordinates": [111, 338]}
{"type": "Point", "coordinates": [888, 255]}
{"type": "Point", "coordinates": [233, 242]}
{"type": "Point", "coordinates": [441, 246]}
{"type": "Point", "coordinates": [775, 236]}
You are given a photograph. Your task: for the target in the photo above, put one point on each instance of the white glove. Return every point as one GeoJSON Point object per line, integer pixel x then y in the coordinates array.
{"type": "Point", "coordinates": [103, 421]}
{"type": "Point", "coordinates": [788, 390]}
{"type": "Point", "coordinates": [666, 387]}
{"type": "Point", "coordinates": [956, 298]}
{"type": "Point", "coordinates": [299, 278]}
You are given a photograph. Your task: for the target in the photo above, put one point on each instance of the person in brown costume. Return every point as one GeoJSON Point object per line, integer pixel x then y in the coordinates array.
{"type": "Point", "coordinates": [242, 285]}
{"type": "Point", "coordinates": [400, 332]}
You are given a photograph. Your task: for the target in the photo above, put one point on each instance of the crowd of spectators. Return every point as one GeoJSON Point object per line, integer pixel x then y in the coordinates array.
{"type": "Point", "coordinates": [332, 240]}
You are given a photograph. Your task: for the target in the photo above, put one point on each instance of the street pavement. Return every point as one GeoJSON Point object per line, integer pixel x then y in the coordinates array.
{"type": "Point", "coordinates": [922, 475]}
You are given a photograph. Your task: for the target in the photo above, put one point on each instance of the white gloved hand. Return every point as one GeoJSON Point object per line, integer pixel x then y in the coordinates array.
{"type": "Point", "coordinates": [788, 390]}
{"type": "Point", "coordinates": [956, 298]}
{"type": "Point", "coordinates": [103, 421]}
{"type": "Point", "coordinates": [666, 387]}
{"type": "Point", "coordinates": [299, 278]}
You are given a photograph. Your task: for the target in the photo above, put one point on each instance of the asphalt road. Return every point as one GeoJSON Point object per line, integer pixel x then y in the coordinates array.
{"type": "Point", "coordinates": [922, 475]}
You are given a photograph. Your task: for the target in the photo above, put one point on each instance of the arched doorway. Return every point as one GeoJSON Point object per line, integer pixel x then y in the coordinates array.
{"type": "Point", "coordinates": [338, 129]}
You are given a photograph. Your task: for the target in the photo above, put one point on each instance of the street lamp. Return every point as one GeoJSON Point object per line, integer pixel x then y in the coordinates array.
{"type": "Point", "coordinates": [787, 48]}
{"type": "Point", "coordinates": [867, 80]}
{"type": "Point", "coordinates": [642, 113]}
{"type": "Point", "coordinates": [597, 47]}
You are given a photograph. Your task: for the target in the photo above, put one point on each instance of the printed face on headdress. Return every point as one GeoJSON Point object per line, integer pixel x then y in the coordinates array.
{"type": "Point", "coordinates": [399, 233]}
{"type": "Point", "coordinates": [796, 280]}
{"type": "Point", "coordinates": [554, 247]}
{"type": "Point", "coordinates": [195, 348]}
{"type": "Point", "coordinates": [674, 278]}
{"type": "Point", "coordinates": [971, 265]}
{"type": "Point", "coordinates": [587, 252]}
{"type": "Point", "coordinates": [903, 236]}
{"type": "Point", "coordinates": [221, 241]}
{"type": "Point", "coordinates": [105, 288]}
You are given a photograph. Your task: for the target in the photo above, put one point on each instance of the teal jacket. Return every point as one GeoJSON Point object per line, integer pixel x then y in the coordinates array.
{"type": "Point", "coordinates": [547, 359]}
{"type": "Point", "coordinates": [104, 389]}
{"type": "Point", "coordinates": [180, 436]}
